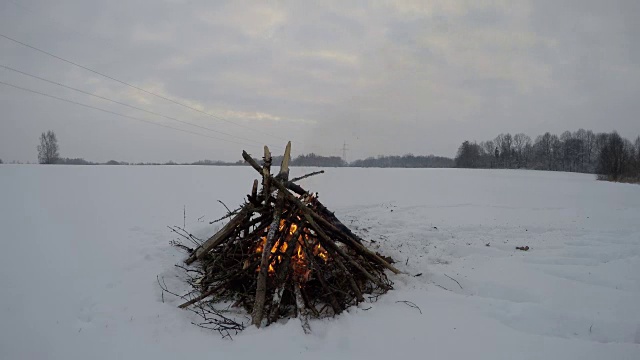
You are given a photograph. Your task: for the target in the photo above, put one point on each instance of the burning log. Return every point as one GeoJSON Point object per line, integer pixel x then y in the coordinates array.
{"type": "Point", "coordinates": [262, 278]}
{"type": "Point", "coordinates": [283, 254]}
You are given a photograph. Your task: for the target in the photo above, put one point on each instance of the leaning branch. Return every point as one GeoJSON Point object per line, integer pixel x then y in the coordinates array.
{"type": "Point", "coordinates": [306, 176]}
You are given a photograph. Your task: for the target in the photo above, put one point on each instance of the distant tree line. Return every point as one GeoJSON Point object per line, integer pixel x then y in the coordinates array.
{"type": "Point", "coordinates": [318, 160]}
{"type": "Point", "coordinates": [48, 153]}
{"type": "Point", "coordinates": [405, 161]}
{"type": "Point", "coordinates": [76, 161]}
{"type": "Point", "coordinates": [607, 154]}
{"type": "Point", "coordinates": [381, 161]}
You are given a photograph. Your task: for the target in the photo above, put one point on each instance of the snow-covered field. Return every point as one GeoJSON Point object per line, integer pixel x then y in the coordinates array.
{"type": "Point", "coordinates": [81, 247]}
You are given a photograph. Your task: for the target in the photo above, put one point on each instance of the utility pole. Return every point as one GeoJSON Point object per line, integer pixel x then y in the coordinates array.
{"type": "Point", "coordinates": [344, 151]}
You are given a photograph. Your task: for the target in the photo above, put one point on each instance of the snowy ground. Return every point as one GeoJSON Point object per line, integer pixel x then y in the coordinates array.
{"type": "Point", "coordinates": [81, 247]}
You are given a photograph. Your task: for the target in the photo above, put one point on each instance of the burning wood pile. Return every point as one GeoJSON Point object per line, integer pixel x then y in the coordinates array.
{"type": "Point", "coordinates": [282, 254]}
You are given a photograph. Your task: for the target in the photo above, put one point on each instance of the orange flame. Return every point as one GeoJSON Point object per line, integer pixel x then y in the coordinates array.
{"type": "Point", "coordinates": [299, 260]}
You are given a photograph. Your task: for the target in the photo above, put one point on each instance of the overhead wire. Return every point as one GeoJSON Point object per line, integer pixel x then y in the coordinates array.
{"type": "Point", "coordinates": [123, 104]}
{"type": "Point", "coordinates": [217, 117]}
{"type": "Point", "coordinates": [119, 114]}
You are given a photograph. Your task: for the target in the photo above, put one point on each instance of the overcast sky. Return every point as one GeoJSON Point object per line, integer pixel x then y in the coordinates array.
{"type": "Point", "coordinates": [387, 77]}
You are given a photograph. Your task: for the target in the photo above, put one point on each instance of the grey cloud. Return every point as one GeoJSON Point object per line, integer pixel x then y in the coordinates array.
{"type": "Point", "coordinates": [387, 77]}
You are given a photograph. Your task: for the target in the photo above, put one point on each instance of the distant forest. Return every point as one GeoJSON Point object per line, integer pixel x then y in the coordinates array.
{"type": "Point", "coordinates": [606, 154]}
{"type": "Point", "coordinates": [405, 161]}
{"type": "Point", "coordinates": [609, 155]}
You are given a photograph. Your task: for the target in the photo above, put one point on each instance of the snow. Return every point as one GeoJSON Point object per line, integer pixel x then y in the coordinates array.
{"type": "Point", "coordinates": [82, 246]}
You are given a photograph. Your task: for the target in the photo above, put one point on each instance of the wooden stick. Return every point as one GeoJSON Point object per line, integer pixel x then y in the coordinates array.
{"type": "Point", "coordinates": [266, 175]}
{"type": "Point", "coordinates": [306, 176]}
{"type": "Point", "coordinates": [323, 209]}
{"type": "Point", "coordinates": [352, 282]}
{"type": "Point", "coordinates": [203, 295]}
{"type": "Point", "coordinates": [261, 287]}
{"type": "Point", "coordinates": [352, 242]}
{"type": "Point", "coordinates": [251, 161]}
{"type": "Point", "coordinates": [221, 235]}
{"type": "Point", "coordinates": [252, 199]}
{"type": "Point", "coordinates": [296, 188]}
{"type": "Point", "coordinates": [254, 189]}
{"type": "Point", "coordinates": [303, 314]}
{"type": "Point", "coordinates": [284, 167]}
{"type": "Point", "coordinates": [335, 221]}
{"type": "Point", "coordinates": [332, 299]}
{"type": "Point", "coordinates": [281, 276]}
{"type": "Point", "coordinates": [347, 239]}
{"type": "Point", "coordinates": [327, 242]}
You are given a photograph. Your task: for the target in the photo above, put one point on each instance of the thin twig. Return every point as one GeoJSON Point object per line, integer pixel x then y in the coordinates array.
{"type": "Point", "coordinates": [186, 235]}
{"type": "Point", "coordinates": [222, 218]}
{"type": "Point", "coordinates": [306, 176]}
{"type": "Point", "coordinates": [189, 270]}
{"type": "Point", "coordinates": [164, 288]}
{"type": "Point", "coordinates": [453, 280]}
{"type": "Point", "coordinates": [180, 245]}
{"type": "Point", "coordinates": [410, 304]}
{"type": "Point", "coordinates": [225, 206]}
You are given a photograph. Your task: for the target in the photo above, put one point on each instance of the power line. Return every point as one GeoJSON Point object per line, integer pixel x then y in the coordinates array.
{"type": "Point", "coordinates": [123, 104]}
{"type": "Point", "coordinates": [136, 87]}
{"type": "Point", "coordinates": [344, 151]}
{"type": "Point", "coordinates": [118, 114]}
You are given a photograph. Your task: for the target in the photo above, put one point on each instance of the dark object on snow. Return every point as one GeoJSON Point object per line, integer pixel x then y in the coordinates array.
{"type": "Point", "coordinates": [523, 248]}
{"type": "Point", "coordinates": [487, 244]}
{"type": "Point", "coordinates": [282, 254]}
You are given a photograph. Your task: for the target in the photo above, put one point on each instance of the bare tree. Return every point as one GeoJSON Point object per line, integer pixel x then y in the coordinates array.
{"type": "Point", "coordinates": [543, 149]}
{"type": "Point", "coordinates": [48, 148]}
{"type": "Point", "coordinates": [556, 152]}
{"type": "Point", "coordinates": [613, 159]}
{"type": "Point", "coordinates": [581, 136]}
{"type": "Point", "coordinates": [468, 155]}
{"type": "Point", "coordinates": [610, 155]}
{"type": "Point", "coordinates": [565, 139]}
{"type": "Point", "coordinates": [504, 143]}
{"type": "Point", "coordinates": [589, 146]}
{"type": "Point", "coordinates": [520, 142]}
{"type": "Point", "coordinates": [488, 149]}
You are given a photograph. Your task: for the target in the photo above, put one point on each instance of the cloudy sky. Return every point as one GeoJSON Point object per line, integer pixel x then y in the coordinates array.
{"type": "Point", "coordinates": [386, 77]}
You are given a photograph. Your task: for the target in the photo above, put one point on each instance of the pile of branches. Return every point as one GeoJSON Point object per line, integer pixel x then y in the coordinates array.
{"type": "Point", "coordinates": [282, 254]}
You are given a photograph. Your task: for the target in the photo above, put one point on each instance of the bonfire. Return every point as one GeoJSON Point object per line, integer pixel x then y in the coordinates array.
{"type": "Point", "coordinates": [282, 254]}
